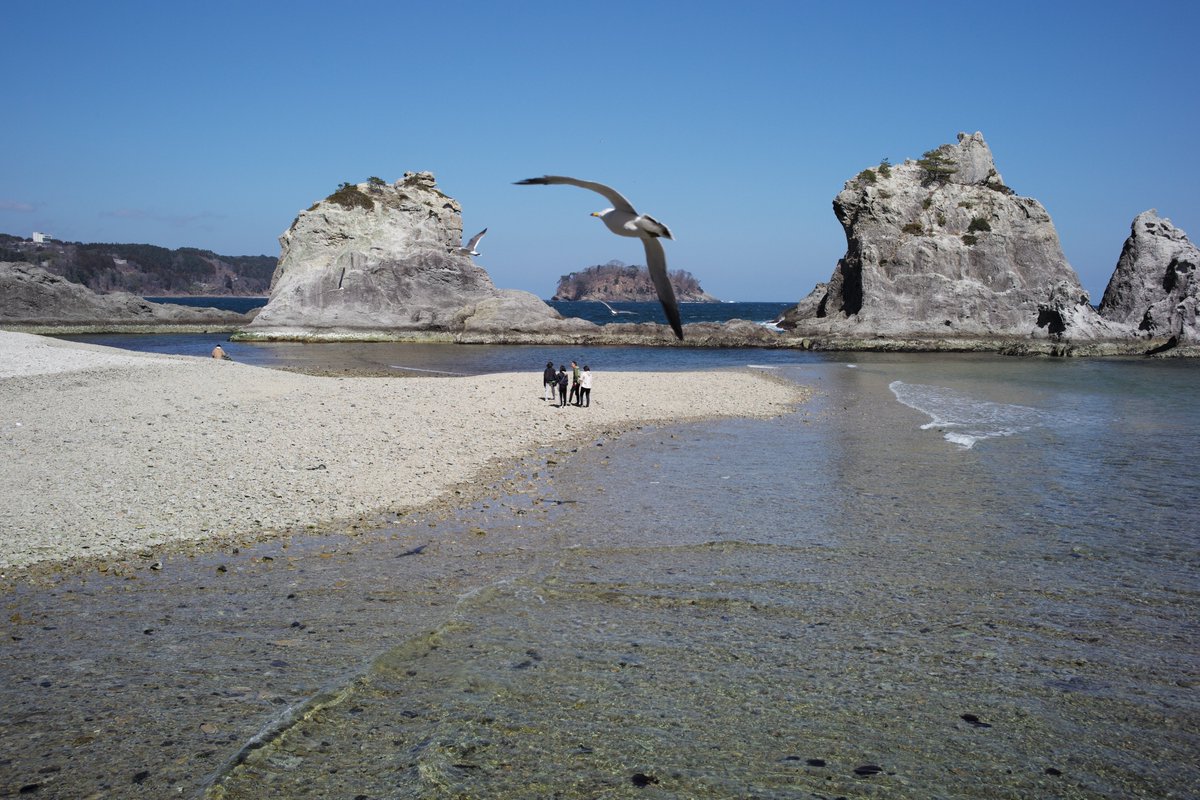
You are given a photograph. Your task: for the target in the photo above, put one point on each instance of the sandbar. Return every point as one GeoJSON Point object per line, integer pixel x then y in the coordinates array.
{"type": "Point", "coordinates": [109, 452]}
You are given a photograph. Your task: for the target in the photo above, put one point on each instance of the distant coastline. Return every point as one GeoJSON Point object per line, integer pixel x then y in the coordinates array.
{"type": "Point", "coordinates": [143, 269]}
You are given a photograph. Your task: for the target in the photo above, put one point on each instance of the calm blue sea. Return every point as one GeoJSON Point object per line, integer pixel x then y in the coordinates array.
{"type": "Point", "coordinates": [953, 576]}
{"type": "Point", "coordinates": [225, 303]}
{"type": "Point", "coordinates": [600, 313]}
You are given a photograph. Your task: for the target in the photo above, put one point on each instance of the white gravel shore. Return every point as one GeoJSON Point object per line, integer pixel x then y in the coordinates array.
{"type": "Point", "coordinates": [106, 451]}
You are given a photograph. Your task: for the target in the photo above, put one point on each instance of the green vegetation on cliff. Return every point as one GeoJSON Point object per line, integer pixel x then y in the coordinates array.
{"type": "Point", "coordinates": [144, 269]}
{"type": "Point", "coordinates": [349, 195]}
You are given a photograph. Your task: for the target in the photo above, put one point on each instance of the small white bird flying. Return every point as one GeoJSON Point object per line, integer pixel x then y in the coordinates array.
{"type": "Point", "coordinates": [469, 248]}
{"type": "Point", "coordinates": [624, 220]}
{"type": "Point", "coordinates": [612, 310]}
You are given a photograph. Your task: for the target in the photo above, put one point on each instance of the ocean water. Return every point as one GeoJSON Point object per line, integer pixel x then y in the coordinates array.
{"type": "Point", "coordinates": [238, 303]}
{"type": "Point", "coordinates": [406, 358]}
{"type": "Point", "coordinates": [946, 576]}
{"type": "Point", "coordinates": [451, 359]}
{"type": "Point", "coordinates": [591, 310]}
{"type": "Point", "coordinates": [619, 311]}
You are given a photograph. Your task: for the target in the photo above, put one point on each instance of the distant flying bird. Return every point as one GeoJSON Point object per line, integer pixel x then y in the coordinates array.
{"type": "Point", "coordinates": [624, 220]}
{"type": "Point", "coordinates": [469, 249]}
{"type": "Point", "coordinates": [613, 310]}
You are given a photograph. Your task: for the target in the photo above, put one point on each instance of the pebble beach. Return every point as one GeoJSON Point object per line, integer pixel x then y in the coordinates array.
{"type": "Point", "coordinates": [109, 452]}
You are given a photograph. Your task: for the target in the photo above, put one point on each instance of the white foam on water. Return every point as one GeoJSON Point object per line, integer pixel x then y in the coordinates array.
{"type": "Point", "coordinates": [960, 439]}
{"type": "Point", "coordinates": [963, 419]}
{"type": "Point", "coordinates": [761, 366]}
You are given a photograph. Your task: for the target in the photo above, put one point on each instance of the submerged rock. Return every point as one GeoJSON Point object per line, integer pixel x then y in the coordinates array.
{"type": "Point", "coordinates": [940, 246]}
{"type": "Point", "coordinates": [1154, 286]}
{"type": "Point", "coordinates": [377, 259]}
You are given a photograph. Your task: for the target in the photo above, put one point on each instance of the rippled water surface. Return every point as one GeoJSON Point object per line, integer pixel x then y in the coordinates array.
{"type": "Point", "coordinates": [844, 602]}
{"type": "Point", "coordinates": [946, 576]}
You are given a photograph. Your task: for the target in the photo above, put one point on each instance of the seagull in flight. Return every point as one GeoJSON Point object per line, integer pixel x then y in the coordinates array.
{"type": "Point", "coordinates": [624, 220]}
{"type": "Point", "coordinates": [469, 249]}
{"type": "Point", "coordinates": [613, 310]}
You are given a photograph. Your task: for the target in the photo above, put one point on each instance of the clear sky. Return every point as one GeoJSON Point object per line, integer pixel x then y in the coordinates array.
{"type": "Point", "coordinates": [210, 124]}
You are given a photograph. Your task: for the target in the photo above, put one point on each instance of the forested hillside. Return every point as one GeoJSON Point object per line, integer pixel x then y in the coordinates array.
{"type": "Point", "coordinates": [145, 269]}
{"type": "Point", "coordinates": [619, 281]}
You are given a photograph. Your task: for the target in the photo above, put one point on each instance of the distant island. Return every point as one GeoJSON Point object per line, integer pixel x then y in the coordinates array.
{"type": "Point", "coordinates": [144, 269]}
{"type": "Point", "coordinates": [619, 281]}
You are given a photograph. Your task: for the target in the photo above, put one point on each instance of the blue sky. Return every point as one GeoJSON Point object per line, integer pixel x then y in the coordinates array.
{"type": "Point", "coordinates": [211, 124]}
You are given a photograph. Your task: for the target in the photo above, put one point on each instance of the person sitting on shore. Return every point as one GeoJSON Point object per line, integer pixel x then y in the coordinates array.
{"type": "Point", "coordinates": [219, 352]}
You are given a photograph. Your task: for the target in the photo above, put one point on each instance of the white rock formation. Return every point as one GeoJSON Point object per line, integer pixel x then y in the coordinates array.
{"type": "Point", "coordinates": [382, 259]}
{"type": "Point", "coordinates": [941, 247]}
{"type": "Point", "coordinates": [1154, 286]}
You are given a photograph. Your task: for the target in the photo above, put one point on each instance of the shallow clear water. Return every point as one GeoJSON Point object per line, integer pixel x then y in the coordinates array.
{"type": "Point", "coordinates": [947, 576]}
{"type": "Point", "coordinates": [846, 601]}
{"type": "Point", "coordinates": [403, 358]}
{"type": "Point", "coordinates": [406, 359]}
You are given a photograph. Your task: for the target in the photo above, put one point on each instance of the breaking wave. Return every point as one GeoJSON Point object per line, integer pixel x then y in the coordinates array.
{"type": "Point", "coordinates": [965, 420]}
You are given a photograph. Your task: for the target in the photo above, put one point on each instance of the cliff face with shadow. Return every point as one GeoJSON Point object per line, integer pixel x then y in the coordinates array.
{"type": "Point", "coordinates": [32, 298]}
{"type": "Point", "coordinates": [1154, 287]}
{"type": "Point", "coordinates": [940, 246]}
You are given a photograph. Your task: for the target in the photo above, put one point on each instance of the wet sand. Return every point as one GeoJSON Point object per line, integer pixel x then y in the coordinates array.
{"type": "Point", "coordinates": [119, 680]}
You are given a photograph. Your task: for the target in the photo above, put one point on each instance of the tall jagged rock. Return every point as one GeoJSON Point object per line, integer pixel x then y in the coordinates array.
{"type": "Point", "coordinates": [378, 259]}
{"type": "Point", "coordinates": [941, 247]}
{"type": "Point", "coordinates": [1154, 287]}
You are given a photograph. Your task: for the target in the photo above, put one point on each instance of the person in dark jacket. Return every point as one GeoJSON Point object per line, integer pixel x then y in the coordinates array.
{"type": "Point", "coordinates": [562, 385]}
{"type": "Point", "coordinates": [574, 398]}
{"type": "Point", "coordinates": [549, 381]}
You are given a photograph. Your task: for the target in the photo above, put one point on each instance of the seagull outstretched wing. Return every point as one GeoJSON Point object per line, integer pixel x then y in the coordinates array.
{"type": "Point", "coordinates": [475, 239]}
{"type": "Point", "coordinates": [624, 220]}
{"type": "Point", "coordinates": [614, 197]}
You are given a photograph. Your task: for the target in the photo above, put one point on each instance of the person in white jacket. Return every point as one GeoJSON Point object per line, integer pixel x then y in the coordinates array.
{"type": "Point", "coordinates": [585, 386]}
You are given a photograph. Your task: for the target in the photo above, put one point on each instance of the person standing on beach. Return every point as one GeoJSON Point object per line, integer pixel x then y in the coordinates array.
{"type": "Point", "coordinates": [574, 383]}
{"type": "Point", "coordinates": [562, 385]}
{"type": "Point", "coordinates": [585, 386]}
{"type": "Point", "coordinates": [549, 381]}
